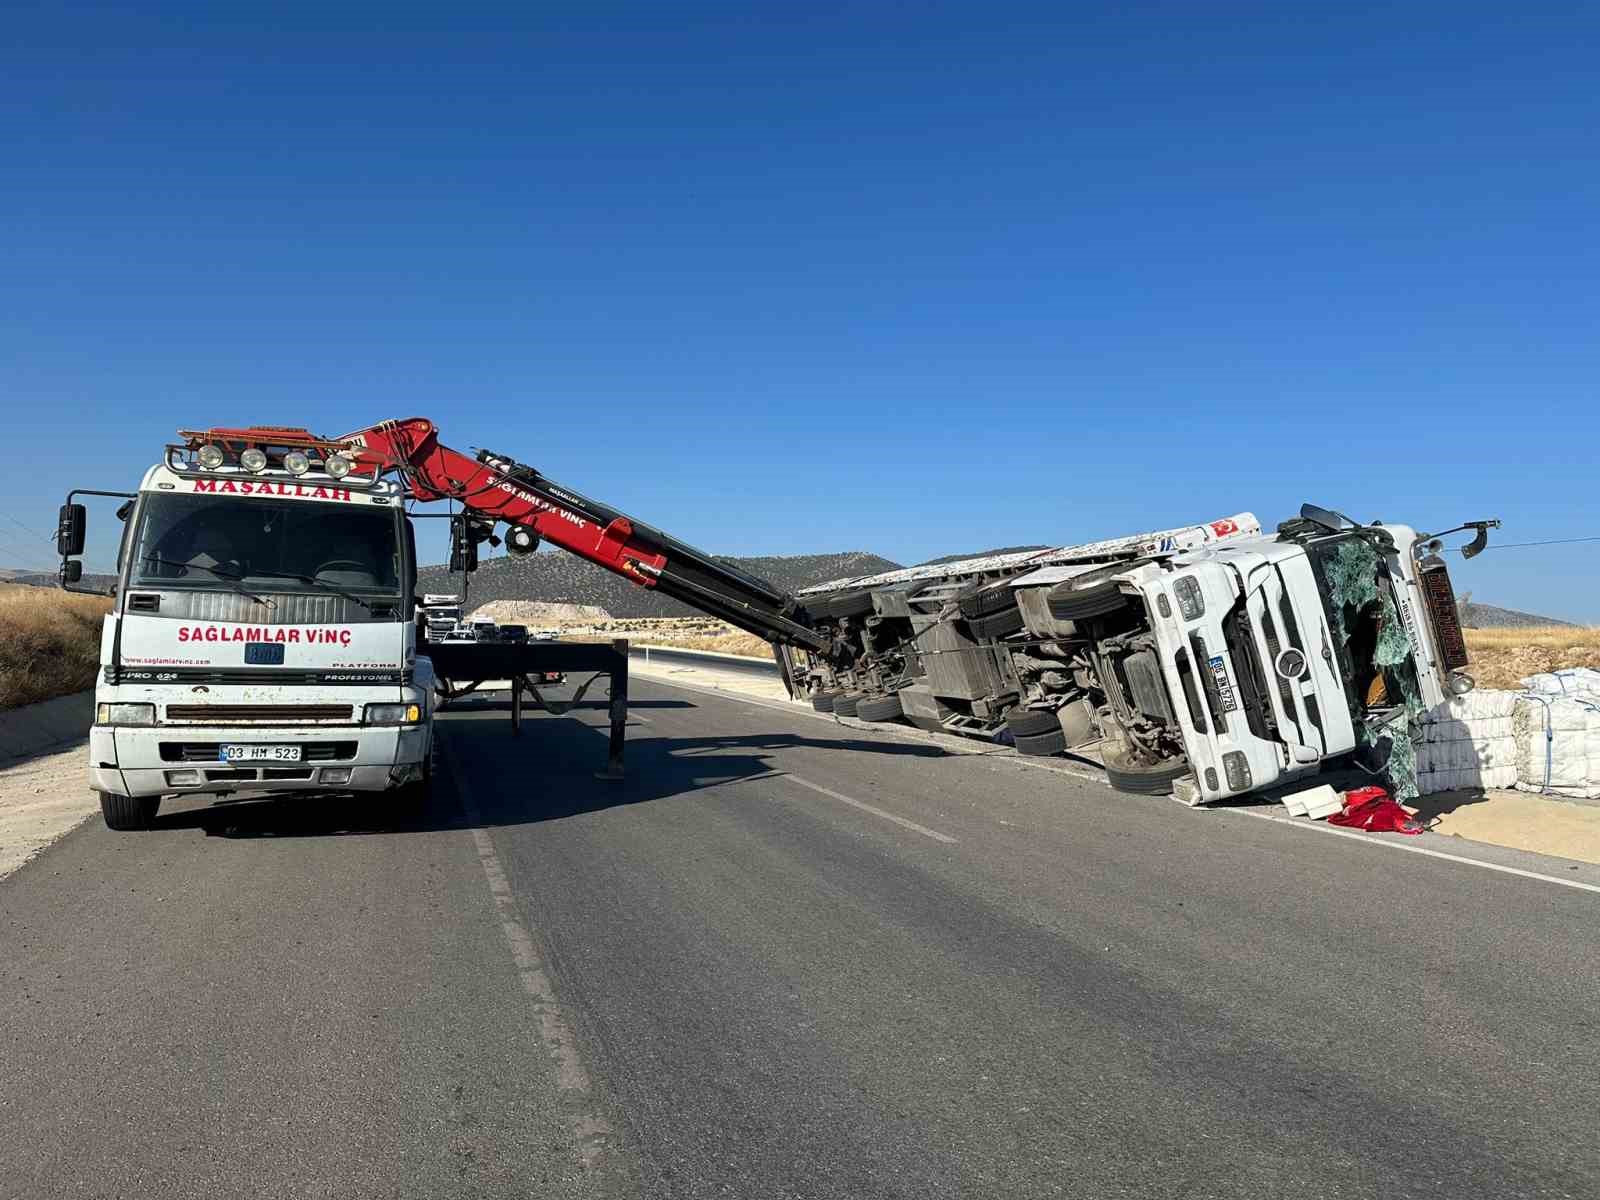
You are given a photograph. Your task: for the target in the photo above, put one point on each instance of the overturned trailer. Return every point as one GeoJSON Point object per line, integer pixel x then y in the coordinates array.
{"type": "Point", "coordinates": [1214, 659]}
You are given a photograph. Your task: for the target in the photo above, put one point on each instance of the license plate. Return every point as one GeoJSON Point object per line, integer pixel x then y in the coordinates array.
{"type": "Point", "coordinates": [235, 753]}
{"type": "Point", "coordinates": [1219, 676]}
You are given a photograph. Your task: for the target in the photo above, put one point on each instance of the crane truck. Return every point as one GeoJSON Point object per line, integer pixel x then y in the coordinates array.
{"type": "Point", "coordinates": [267, 635]}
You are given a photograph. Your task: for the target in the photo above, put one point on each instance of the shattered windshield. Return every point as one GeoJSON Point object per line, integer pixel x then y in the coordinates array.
{"type": "Point", "coordinates": [1374, 651]}
{"type": "Point", "coordinates": [276, 545]}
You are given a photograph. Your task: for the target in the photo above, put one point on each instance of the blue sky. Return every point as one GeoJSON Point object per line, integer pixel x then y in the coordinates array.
{"type": "Point", "coordinates": [782, 279]}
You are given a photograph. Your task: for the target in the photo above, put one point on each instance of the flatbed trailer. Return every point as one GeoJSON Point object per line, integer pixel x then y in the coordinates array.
{"type": "Point", "coordinates": [462, 668]}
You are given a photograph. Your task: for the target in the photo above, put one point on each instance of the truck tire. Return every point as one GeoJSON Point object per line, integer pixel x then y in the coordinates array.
{"type": "Point", "coordinates": [997, 625]}
{"type": "Point", "coordinates": [1068, 603]}
{"type": "Point", "coordinates": [128, 813]}
{"type": "Point", "coordinates": [880, 708]}
{"type": "Point", "coordinates": [1041, 744]}
{"type": "Point", "coordinates": [1031, 722]}
{"type": "Point", "coordinates": [844, 704]}
{"type": "Point", "coordinates": [413, 797]}
{"type": "Point", "coordinates": [823, 701]}
{"type": "Point", "coordinates": [981, 601]}
{"type": "Point", "coordinates": [852, 604]}
{"type": "Point", "coordinates": [1141, 779]}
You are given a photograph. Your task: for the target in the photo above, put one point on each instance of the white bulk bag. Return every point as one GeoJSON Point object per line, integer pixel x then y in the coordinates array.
{"type": "Point", "coordinates": [1574, 681]}
{"type": "Point", "coordinates": [1468, 742]}
{"type": "Point", "coordinates": [1558, 745]}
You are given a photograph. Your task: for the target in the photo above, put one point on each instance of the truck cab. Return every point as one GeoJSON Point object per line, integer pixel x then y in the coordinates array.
{"type": "Point", "coordinates": [263, 636]}
{"type": "Point", "coordinates": [1261, 659]}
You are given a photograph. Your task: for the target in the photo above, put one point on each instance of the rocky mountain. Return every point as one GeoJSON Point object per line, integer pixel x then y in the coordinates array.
{"type": "Point", "coordinates": [1489, 616]}
{"type": "Point", "coordinates": [557, 577]}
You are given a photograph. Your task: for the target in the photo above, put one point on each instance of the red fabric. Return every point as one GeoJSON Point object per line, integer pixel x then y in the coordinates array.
{"type": "Point", "coordinates": [1371, 809]}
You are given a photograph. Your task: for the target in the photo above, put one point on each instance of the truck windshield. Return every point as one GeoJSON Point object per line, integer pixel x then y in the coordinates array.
{"type": "Point", "coordinates": [1370, 640]}
{"type": "Point", "coordinates": [193, 541]}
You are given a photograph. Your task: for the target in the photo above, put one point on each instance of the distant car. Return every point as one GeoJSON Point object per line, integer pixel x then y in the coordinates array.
{"type": "Point", "coordinates": [486, 631]}
{"type": "Point", "coordinates": [545, 635]}
{"type": "Point", "coordinates": [513, 633]}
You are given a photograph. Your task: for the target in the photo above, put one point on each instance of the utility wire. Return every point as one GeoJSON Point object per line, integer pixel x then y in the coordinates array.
{"type": "Point", "coordinates": [1520, 545]}
{"type": "Point", "coordinates": [33, 533]}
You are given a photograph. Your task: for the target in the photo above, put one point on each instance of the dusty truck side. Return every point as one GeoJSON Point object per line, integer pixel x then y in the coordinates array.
{"type": "Point", "coordinates": [1212, 659]}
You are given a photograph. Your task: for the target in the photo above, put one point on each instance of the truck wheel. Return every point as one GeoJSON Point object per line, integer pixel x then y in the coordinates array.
{"type": "Point", "coordinates": [1041, 744]}
{"type": "Point", "coordinates": [1031, 722]}
{"type": "Point", "coordinates": [997, 625]}
{"type": "Point", "coordinates": [413, 797]}
{"type": "Point", "coordinates": [981, 601]}
{"type": "Point", "coordinates": [823, 701]}
{"type": "Point", "coordinates": [852, 604]}
{"type": "Point", "coordinates": [126, 813]}
{"type": "Point", "coordinates": [1068, 603]}
{"type": "Point", "coordinates": [844, 705]}
{"type": "Point", "coordinates": [1143, 779]}
{"type": "Point", "coordinates": [879, 708]}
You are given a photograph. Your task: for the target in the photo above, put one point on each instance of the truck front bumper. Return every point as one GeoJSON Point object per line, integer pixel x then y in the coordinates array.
{"type": "Point", "coordinates": [165, 759]}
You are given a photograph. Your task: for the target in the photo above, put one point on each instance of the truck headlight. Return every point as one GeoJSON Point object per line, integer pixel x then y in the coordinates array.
{"type": "Point", "coordinates": [1190, 602]}
{"type": "Point", "coordinates": [392, 714]}
{"type": "Point", "coordinates": [124, 714]}
{"type": "Point", "coordinates": [1237, 769]}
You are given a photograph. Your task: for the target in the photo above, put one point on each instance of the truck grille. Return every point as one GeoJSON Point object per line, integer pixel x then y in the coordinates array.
{"type": "Point", "coordinates": [207, 752]}
{"type": "Point", "coordinates": [1441, 601]}
{"type": "Point", "coordinates": [259, 714]}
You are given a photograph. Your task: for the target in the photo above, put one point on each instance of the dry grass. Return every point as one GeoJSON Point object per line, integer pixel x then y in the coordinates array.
{"type": "Point", "coordinates": [49, 643]}
{"type": "Point", "coordinates": [1502, 657]}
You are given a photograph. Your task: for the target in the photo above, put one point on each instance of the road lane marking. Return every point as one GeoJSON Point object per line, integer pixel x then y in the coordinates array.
{"type": "Point", "coordinates": [592, 1131]}
{"type": "Point", "coordinates": [794, 710]}
{"type": "Point", "coordinates": [1367, 839]}
{"type": "Point", "coordinates": [877, 812]}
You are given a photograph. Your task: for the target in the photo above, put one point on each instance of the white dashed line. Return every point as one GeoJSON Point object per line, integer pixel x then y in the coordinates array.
{"type": "Point", "coordinates": [877, 812]}
{"type": "Point", "coordinates": [592, 1131]}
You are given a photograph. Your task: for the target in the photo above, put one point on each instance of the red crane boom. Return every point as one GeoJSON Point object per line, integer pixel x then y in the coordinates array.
{"type": "Point", "coordinates": [494, 488]}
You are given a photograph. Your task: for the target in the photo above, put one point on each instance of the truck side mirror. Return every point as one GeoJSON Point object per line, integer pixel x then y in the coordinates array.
{"type": "Point", "coordinates": [69, 531]}
{"type": "Point", "coordinates": [71, 571]}
{"type": "Point", "coordinates": [1476, 546]}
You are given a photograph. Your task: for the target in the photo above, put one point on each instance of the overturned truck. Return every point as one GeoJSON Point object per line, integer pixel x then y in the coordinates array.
{"type": "Point", "coordinates": [1212, 659]}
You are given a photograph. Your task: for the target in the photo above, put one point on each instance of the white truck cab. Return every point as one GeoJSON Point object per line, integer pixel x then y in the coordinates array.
{"type": "Point", "coordinates": [1274, 655]}
{"type": "Point", "coordinates": [263, 638]}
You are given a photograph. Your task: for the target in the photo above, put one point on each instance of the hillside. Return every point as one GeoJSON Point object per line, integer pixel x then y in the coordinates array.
{"type": "Point", "coordinates": [557, 577]}
{"type": "Point", "coordinates": [1489, 616]}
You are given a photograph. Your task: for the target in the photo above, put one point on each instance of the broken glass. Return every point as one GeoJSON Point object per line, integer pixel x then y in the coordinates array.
{"type": "Point", "coordinates": [1376, 651]}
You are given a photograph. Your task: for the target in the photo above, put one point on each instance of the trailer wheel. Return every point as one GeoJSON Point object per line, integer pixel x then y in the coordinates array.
{"type": "Point", "coordinates": [844, 704]}
{"type": "Point", "coordinates": [1143, 779]}
{"type": "Point", "coordinates": [880, 708]}
{"type": "Point", "coordinates": [128, 813]}
{"type": "Point", "coordinates": [852, 604]}
{"type": "Point", "coordinates": [1068, 603]}
{"type": "Point", "coordinates": [1031, 722]}
{"type": "Point", "coordinates": [980, 601]}
{"type": "Point", "coordinates": [997, 625]}
{"type": "Point", "coordinates": [823, 701]}
{"type": "Point", "coordinates": [1039, 745]}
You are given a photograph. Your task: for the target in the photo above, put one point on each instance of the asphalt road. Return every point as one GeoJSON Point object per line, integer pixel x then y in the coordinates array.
{"type": "Point", "coordinates": [784, 958]}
